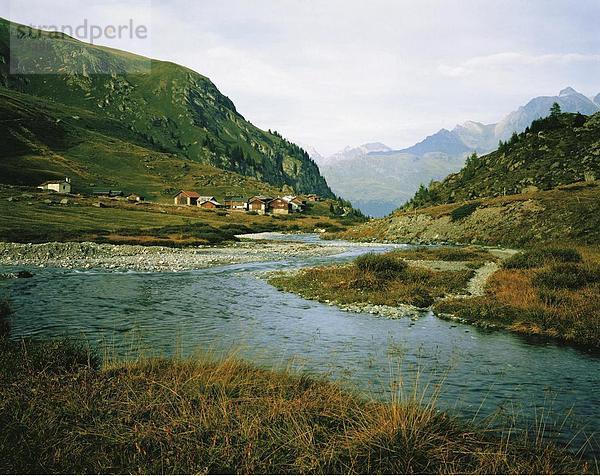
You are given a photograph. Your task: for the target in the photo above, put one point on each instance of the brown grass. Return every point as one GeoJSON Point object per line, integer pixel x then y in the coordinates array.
{"type": "Point", "coordinates": [349, 284]}
{"type": "Point", "coordinates": [447, 253]}
{"type": "Point", "coordinates": [518, 300]}
{"type": "Point", "coordinates": [61, 414]}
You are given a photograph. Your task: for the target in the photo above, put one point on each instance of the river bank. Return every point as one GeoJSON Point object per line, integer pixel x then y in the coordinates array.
{"type": "Point", "coordinates": [223, 415]}
{"type": "Point", "coordinates": [88, 255]}
{"type": "Point", "coordinates": [549, 292]}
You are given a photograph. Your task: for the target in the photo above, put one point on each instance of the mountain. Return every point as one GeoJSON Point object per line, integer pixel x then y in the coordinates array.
{"type": "Point", "coordinates": [350, 153]}
{"type": "Point", "coordinates": [443, 141]}
{"type": "Point", "coordinates": [168, 108]}
{"type": "Point", "coordinates": [557, 150]}
{"type": "Point", "coordinates": [568, 99]}
{"type": "Point", "coordinates": [540, 186]}
{"type": "Point", "coordinates": [380, 181]}
{"type": "Point", "coordinates": [313, 153]}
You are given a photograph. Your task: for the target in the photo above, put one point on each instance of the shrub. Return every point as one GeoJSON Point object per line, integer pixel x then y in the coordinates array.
{"type": "Point", "coordinates": [566, 276]}
{"type": "Point", "coordinates": [420, 296]}
{"type": "Point", "coordinates": [383, 266]}
{"type": "Point", "coordinates": [536, 258]}
{"type": "Point", "coordinates": [464, 211]}
{"type": "Point", "coordinates": [235, 229]}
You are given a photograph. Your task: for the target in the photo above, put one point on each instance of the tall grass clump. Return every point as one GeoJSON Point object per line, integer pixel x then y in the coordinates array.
{"type": "Point", "coordinates": [382, 265]}
{"type": "Point", "coordinates": [224, 415]}
{"type": "Point", "coordinates": [538, 257]}
{"type": "Point", "coordinates": [566, 276]}
{"type": "Point", "coordinates": [374, 279]}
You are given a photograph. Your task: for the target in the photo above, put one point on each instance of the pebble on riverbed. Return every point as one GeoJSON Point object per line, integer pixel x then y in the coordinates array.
{"type": "Point", "coordinates": [88, 255]}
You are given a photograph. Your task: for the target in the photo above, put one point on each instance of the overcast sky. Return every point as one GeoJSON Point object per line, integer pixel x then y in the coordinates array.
{"type": "Point", "coordinates": [330, 73]}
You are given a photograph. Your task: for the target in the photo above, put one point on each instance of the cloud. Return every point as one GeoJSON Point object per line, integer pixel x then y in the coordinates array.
{"type": "Point", "coordinates": [513, 61]}
{"type": "Point", "coordinates": [344, 72]}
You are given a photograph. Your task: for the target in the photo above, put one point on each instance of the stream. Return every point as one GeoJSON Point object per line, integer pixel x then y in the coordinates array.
{"type": "Point", "coordinates": [225, 308]}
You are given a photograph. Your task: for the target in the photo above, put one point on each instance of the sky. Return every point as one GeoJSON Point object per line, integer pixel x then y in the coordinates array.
{"type": "Point", "coordinates": [332, 73]}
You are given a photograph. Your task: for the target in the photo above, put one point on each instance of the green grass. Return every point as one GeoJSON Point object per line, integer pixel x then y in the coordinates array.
{"type": "Point", "coordinates": [27, 218]}
{"type": "Point", "coordinates": [375, 279]}
{"type": "Point", "coordinates": [63, 412]}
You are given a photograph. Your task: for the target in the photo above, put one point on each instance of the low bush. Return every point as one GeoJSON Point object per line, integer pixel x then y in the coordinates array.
{"type": "Point", "coordinates": [538, 257]}
{"type": "Point", "coordinates": [382, 265]}
{"type": "Point", "coordinates": [376, 279]}
{"type": "Point", "coordinates": [566, 276]}
{"type": "Point", "coordinates": [447, 253]}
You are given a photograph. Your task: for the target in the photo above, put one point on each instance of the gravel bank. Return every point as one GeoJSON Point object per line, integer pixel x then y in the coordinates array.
{"type": "Point", "coordinates": [89, 255]}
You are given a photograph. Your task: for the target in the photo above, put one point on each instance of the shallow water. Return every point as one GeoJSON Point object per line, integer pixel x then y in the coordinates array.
{"type": "Point", "coordinates": [232, 307]}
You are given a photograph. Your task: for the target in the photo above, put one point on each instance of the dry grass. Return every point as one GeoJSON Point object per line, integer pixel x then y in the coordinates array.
{"type": "Point", "coordinates": [388, 286]}
{"type": "Point", "coordinates": [547, 298]}
{"type": "Point", "coordinates": [61, 414]}
{"type": "Point", "coordinates": [448, 253]}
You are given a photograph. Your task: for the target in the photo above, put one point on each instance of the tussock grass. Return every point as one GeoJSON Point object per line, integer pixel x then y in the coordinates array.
{"type": "Point", "coordinates": [62, 413]}
{"type": "Point", "coordinates": [552, 293]}
{"type": "Point", "coordinates": [376, 279]}
{"type": "Point", "coordinates": [538, 257]}
{"type": "Point", "coordinates": [447, 253]}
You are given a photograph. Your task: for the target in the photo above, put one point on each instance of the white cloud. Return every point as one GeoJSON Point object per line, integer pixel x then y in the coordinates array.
{"type": "Point", "coordinates": [512, 60]}
{"type": "Point", "coordinates": [338, 72]}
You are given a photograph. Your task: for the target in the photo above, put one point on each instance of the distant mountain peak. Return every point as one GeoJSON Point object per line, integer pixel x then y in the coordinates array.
{"type": "Point", "coordinates": [597, 99]}
{"type": "Point", "coordinates": [567, 91]}
{"type": "Point", "coordinates": [376, 145]}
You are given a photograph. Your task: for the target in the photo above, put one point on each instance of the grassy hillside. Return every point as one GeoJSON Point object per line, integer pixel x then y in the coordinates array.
{"type": "Point", "coordinates": [553, 151]}
{"type": "Point", "coordinates": [169, 109]}
{"type": "Point", "coordinates": [540, 186]}
{"type": "Point", "coordinates": [40, 140]}
{"type": "Point", "coordinates": [567, 214]}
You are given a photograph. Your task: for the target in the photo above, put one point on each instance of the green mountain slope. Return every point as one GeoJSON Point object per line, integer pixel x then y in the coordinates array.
{"type": "Point", "coordinates": [553, 151]}
{"type": "Point", "coordinates": [169, 109]}
{"type": "Point", "coordinates": [40, 139]}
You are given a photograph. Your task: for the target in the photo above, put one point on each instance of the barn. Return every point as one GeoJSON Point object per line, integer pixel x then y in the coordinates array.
{"type": "Point", "coordinates": [280, 206]}
{"type": "Point", "coordinates": [208, 202]}
{"type": "Point", "coordinates": [259, 204]}
{"type": "Point", "coordinates": [187, 198]}
{"type": "Point", "coordinates": [235, 203]}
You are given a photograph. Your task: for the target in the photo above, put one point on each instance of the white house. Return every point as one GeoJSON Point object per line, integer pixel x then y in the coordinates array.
{"type": "Point", "coordinates": [59, 186]}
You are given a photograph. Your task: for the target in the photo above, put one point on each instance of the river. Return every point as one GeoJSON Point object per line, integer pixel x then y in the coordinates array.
{"type": "Point", "coordinates": [232, 307]}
